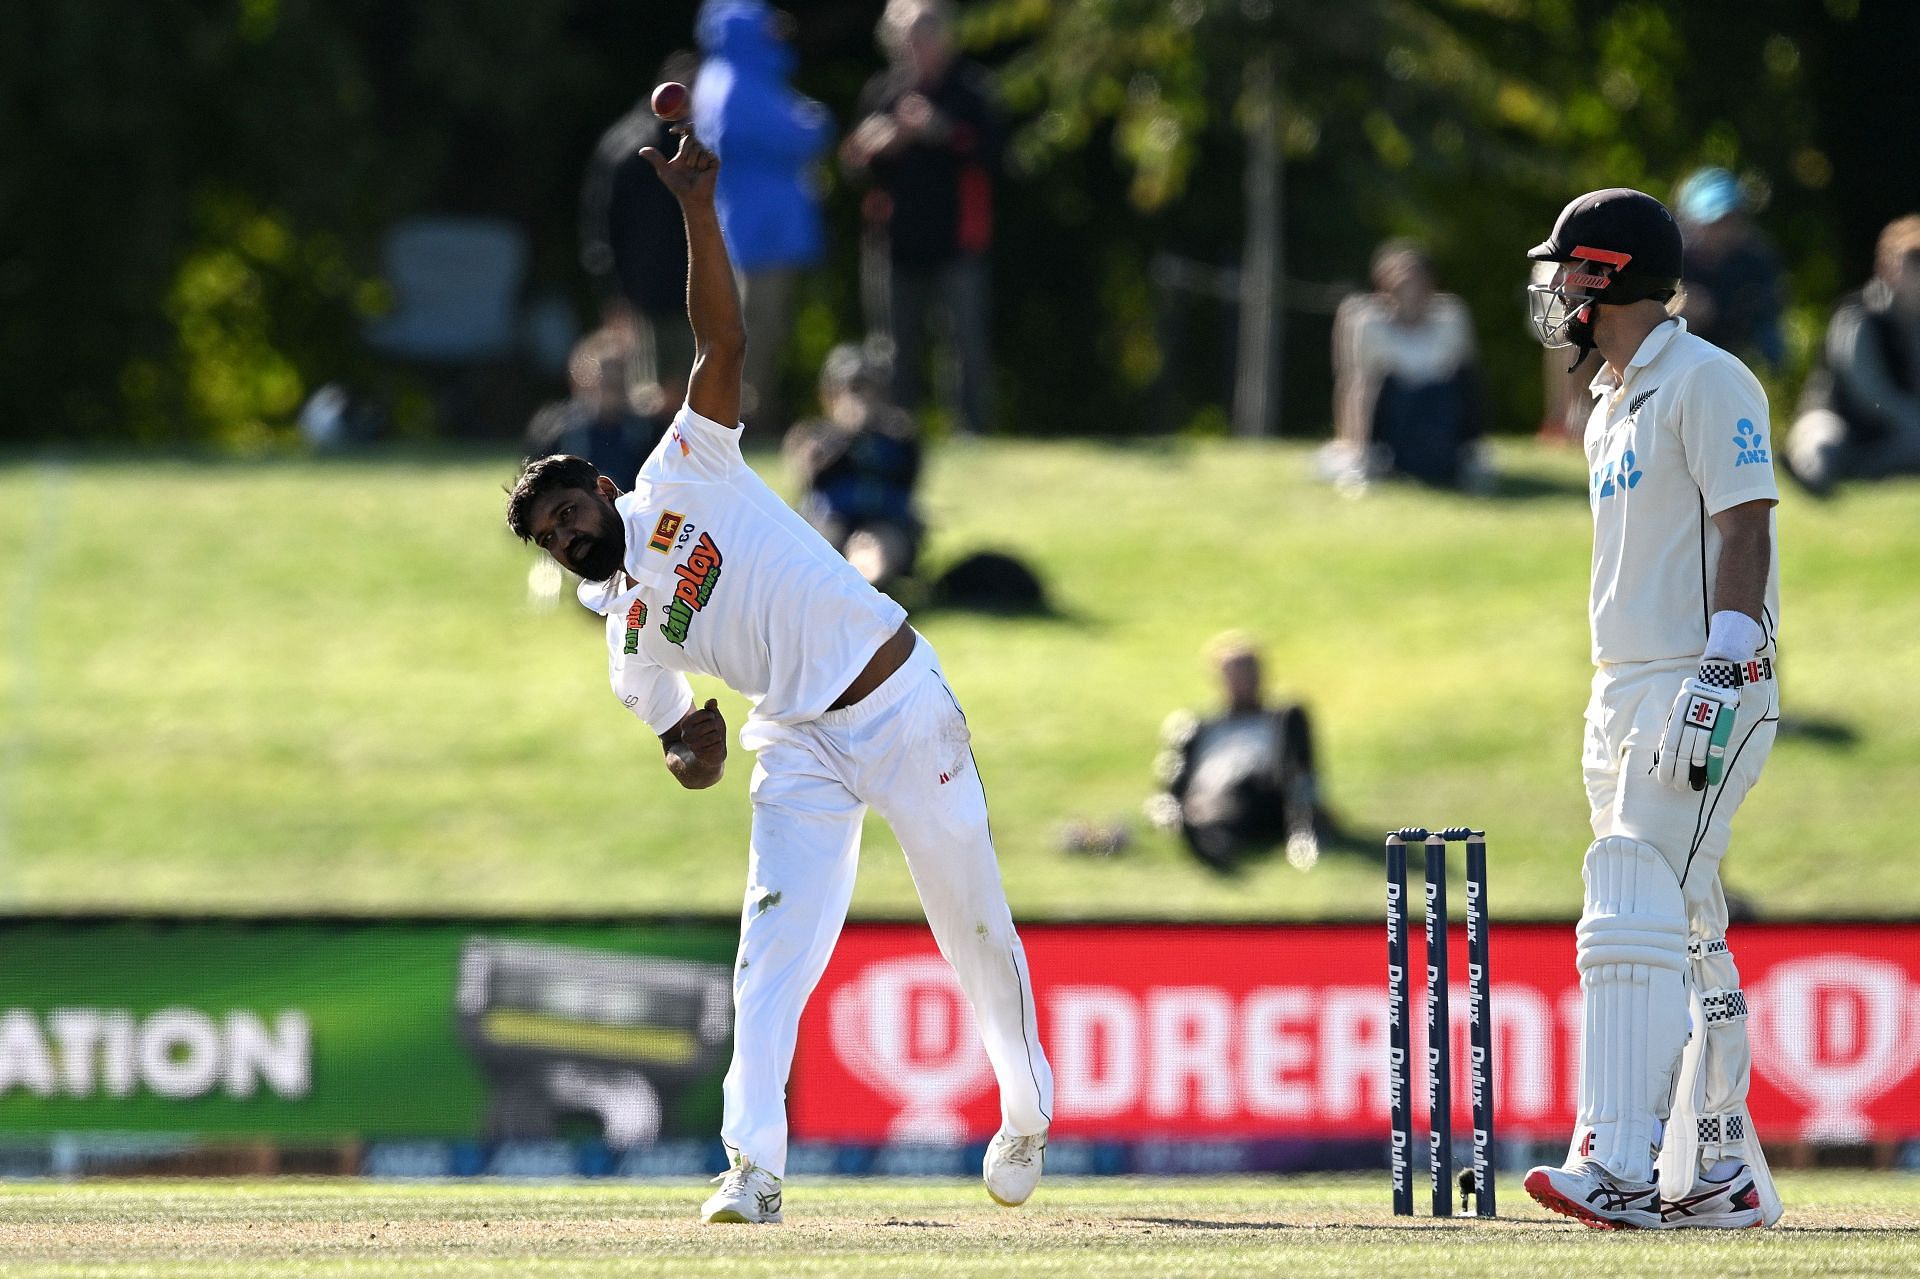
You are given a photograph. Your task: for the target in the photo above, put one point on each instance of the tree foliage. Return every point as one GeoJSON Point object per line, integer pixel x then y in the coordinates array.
{"type": "Point", "coordinates": [1463, 123]}
{"type": "Point", "coordinates": [193, 192]}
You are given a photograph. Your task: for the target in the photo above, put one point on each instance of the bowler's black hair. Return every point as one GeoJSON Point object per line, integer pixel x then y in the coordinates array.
{"type": "Point", "coordinates": [546, 475]}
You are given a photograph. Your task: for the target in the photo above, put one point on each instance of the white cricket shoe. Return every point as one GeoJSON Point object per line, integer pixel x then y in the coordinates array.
{"type": "Point", "coordinates": [1724, 1199]}
{"type": "Point", "coordinates": [1595, 1197]}
{"type": "Point", "coordinates": [1012, 1166]}
{"type": "Point", "coordinates": [748, 1193]}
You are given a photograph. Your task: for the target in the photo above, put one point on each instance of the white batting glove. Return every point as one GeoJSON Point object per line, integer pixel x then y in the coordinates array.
{"type": "Point", "coordinates": [1693, 749]}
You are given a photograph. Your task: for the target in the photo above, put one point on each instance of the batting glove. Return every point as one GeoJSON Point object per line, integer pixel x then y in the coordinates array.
{"type": "Point", "coordinates": [1693, 749]}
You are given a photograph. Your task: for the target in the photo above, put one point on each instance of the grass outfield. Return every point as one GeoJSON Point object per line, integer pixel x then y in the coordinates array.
{"type": "Point", "coordinates": [319, 685]}
{"type": "Point", "coordinates": [1838, 1224]}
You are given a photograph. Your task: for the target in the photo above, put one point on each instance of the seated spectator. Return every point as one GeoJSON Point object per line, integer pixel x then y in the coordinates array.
{"type": "Point", "coordinates": [1406, 399]}
{"type": "Point", "coordinates": [1242, 782]}
{"type": "Point", "coordinates": [1860, 414]}
{"type": "Point", "coordinates": [1732, 274]}
{"type": "Point", "coordinates": [858, 465]}
{"type": "Point", "coordinates": [600, 422]}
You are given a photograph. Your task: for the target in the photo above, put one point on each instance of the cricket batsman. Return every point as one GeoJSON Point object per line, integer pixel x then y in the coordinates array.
{"type": "Point", "coordinates": [702, 569]}
{"type": "Point", "coordinates": [1685, 612]}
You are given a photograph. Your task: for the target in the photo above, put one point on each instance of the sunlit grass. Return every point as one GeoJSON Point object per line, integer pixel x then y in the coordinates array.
{"type": "Point", "coordinates": [320, 685]}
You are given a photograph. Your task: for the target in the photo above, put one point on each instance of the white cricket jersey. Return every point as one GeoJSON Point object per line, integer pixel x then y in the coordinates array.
{"type": "Point", "coordinates": [723, 578]}
{"type": "Point", "coordinates": [1683, 437]}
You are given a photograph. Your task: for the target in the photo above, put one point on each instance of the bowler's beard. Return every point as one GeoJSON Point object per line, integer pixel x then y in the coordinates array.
{"type": "Point", "coordinates": [602, 558]}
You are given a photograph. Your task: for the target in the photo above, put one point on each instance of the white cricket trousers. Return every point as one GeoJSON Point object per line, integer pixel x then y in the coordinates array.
{"type": "Point", "coordinates": [905, 751]}
{"type": "Point", "coordinates": [1626, 717]}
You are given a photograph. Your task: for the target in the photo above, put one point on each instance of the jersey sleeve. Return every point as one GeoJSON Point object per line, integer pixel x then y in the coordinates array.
{"type": "Point", "coordinates": [658, 697]}
{"type": "Point", "coordinates": [696, 448]}
{"type": "Point", "coordinates": [1724, 430]}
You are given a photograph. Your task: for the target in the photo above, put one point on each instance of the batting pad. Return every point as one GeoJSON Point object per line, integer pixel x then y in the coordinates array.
{"type": "Point", "coordinates": [1631, 949]}
{"type": "Point", "coordinates": [1710, 1120]}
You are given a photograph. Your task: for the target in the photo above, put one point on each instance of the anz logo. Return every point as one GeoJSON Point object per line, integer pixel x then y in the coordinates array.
{"type": "Point", "coordinates": [1616, 476]}
{"type": "Point", "coordinates": [1749, 444]}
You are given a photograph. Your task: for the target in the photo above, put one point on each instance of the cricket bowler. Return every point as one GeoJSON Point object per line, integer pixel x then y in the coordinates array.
{"type": "Point", "coordinates": [1685, 612]}
{"type": "Point", "coordinates": [701, 569]}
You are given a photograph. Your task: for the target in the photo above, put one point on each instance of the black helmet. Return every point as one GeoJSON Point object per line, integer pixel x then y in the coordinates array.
{"type": "Point", "coordinates": [1620, 245]}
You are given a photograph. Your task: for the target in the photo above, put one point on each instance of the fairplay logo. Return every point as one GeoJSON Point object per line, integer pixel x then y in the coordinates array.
{"type": "Point", "coordinates": [1750, 444]}
{"type": "Point", "coordinates": [1616, 477]}
{"type": "Point", "coordinates": [636, 618]}
{"type": "Point", "coordinates": [697, 578]}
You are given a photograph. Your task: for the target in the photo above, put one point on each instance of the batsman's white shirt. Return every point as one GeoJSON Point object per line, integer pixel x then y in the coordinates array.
{"type": "Point", "coordinates": [724, 579]}
{"type": "Point", "coordinates": [1682, 437]}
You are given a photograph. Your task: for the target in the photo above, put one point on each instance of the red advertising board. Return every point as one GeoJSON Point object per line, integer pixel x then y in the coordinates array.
{"type": "Point", "coordinates": [1279, 1031]}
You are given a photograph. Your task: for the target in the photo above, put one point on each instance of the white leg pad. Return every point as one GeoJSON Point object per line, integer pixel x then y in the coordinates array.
{"type": "Point", "coordinates": [1632, 956]}
{"type": "Point", "coordinates": [1710, 1120]}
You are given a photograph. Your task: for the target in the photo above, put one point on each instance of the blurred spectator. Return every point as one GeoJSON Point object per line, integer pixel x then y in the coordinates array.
{"type": "Point", "coordinates": [858, 465]}
{"type": "Point", "coordinates": [929, 142]}
{"type": "Point", "coordinates": [1405, 391]}
{"type": "Point", "coordinates": [768, 137]}
{"type": "Point", "coordinates": [1732, 274]}
{"type": "Point", "coordinates": [632, 242]}
{"type": "Point", "coordinates": [1860, 414]}
{"type": "Point", "coordinates": [1243, 781]}
{"type": "Point", "coordinates": [600, 421]}
{"type": "Point", "coordinates": [335, 417]}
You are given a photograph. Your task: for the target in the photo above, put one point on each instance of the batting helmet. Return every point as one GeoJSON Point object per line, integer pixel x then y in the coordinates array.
{"type": "Point", "coordinates": [1608, 248]}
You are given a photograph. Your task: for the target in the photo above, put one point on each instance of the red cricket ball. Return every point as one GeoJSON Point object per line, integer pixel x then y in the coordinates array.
{"type": "Point", "coordinates": [670, 100]}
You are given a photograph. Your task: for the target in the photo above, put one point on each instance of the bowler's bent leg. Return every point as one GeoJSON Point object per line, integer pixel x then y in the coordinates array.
{"type": "Point", "coordinates": [918, 772]}
{"type": "Point", "coordinates": [800, 874]}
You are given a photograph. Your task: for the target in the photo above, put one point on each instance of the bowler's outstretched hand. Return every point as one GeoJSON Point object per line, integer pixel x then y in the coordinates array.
{"type": "Point", "coordinates": [691, 173]}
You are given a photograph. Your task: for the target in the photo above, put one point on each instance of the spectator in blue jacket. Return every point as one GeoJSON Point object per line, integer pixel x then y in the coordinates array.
{"type": "Point", "coordinates": [768, 137]}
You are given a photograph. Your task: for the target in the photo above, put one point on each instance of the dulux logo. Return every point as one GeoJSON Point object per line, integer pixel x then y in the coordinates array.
{"type": "Point", "coordinates": [1750, 444]}
{"type": "Point", "coordinates": [1616, 477]}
